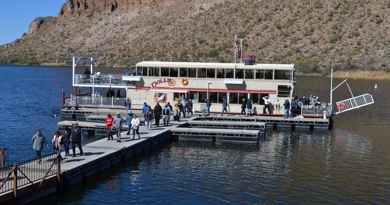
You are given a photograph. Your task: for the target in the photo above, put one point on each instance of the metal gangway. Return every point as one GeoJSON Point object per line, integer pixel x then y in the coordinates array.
{"type": "Point", "coordinates": [352, 103]}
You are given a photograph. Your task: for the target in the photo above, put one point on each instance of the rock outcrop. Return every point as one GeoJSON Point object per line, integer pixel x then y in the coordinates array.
{"type": "Point", "coordinates": [310, 33]}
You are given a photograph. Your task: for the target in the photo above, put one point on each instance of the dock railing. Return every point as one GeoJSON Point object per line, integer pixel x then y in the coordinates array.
{"type": "Point", "coordinates": [29, 172]}
{"type": "Point", "coordinates": [100, 101]}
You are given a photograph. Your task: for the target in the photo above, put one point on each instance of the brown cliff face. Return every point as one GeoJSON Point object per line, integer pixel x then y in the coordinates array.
{"type": "Point", "coordinates": [121, 32]}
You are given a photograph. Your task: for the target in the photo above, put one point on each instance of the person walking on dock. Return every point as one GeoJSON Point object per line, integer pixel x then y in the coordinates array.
{"type": "Point", "coordinates": [56, 142]}
{"type": "Point", "coordinates": [243, 106]}
{"type": "Point", "coordinates": [118, 126]}
{"type": "Point", "coordinates": [76, 139]}
{"type": "Point", "coordinates": [66, 140]}
{"type": "Point", "coordinates": [108, 121]}
{"type": "Point", "coordinates": [166, 115]}
{"type": "Point", "coordinates": [157, 114]}
{"type": "Point", "coordinates": [128, 104]}
{"type": "Point", "coordinates": [135, 123]}
{"type": "Point", "coordinates": [128, 119]}
{"type": "Point", "coordinates": [38, 141]}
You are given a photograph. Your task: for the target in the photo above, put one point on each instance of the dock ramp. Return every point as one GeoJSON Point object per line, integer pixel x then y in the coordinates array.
{"type": "Point", "coordinates": [354, 103]}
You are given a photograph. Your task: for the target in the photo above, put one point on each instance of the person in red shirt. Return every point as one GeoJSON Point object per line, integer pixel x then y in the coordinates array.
{"type": "Point", "coordinates": [108, 121]}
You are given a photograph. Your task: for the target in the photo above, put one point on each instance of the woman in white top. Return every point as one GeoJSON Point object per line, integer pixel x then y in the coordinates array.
{"type": "Point", "coordinates": [135, 123]}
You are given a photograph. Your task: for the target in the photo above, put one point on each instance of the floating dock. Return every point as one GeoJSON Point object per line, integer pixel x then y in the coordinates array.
{"type": "Point", "coordinates": [28, 181]}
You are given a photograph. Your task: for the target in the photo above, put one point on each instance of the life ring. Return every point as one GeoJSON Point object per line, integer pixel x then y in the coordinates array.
{"type": "Point", "coordinates": [184, 82]}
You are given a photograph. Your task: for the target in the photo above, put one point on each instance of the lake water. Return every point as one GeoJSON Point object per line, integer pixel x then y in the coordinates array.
{"type": "Point", "coordinates": [349, 165]}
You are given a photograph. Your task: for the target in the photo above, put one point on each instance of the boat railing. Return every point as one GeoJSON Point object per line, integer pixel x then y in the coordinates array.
{"type": "Point", "coordinates": [85, 101]}
{"type": "Point", "coordinates": [99, 79]}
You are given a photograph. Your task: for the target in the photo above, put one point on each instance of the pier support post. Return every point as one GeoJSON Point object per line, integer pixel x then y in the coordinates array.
{"type": "Point", "coordinates": [293, 127]}
{"type": "Point", "coordinates": [15, 179]}
{"type": "Point", "coordinates": [330, 126]}
{"type": "Point", "coordinates": [59, 180]}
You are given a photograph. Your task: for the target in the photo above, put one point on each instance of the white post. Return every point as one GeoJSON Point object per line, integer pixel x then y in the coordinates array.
{"type": "Point", "coordinates": [73, 70]}
{"type": "Point", "coordinates": [241, 45]}
{"type": "Point", "coordinates": [93, 89]}
{"type": "Point", "coordinates": [331, 90]}
{"type": "Point", "coordinates": [91, 66]}
{"type": "Point", "coordinates": [235, 56]}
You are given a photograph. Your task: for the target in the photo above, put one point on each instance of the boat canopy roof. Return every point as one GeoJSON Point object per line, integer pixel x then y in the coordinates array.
{"type": "Point", "coordinates": [165, 64]}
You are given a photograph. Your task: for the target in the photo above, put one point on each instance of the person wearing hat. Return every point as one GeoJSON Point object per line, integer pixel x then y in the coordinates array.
{"type": "Point", "coordinates": [128, 119]}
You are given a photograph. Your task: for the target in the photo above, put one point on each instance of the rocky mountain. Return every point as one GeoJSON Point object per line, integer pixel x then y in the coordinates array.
{"type": "Point", "coordinates": [310, 33]}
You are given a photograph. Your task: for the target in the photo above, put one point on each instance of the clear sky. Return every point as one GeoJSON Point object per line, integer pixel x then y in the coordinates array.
{"type": "Point", "coordinates": [16, 16]}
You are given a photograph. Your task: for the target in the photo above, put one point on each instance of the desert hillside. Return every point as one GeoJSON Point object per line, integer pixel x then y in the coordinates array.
{"type": "Point", "coordinates": [309, 33]}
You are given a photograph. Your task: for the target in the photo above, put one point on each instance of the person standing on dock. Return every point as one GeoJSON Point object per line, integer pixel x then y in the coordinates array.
{"type": "Point", "coordinates": [76, 139]}
{"type": "Point", "coordinates": [157, 114]}
{"type": "Point", "coordinates": [190, 106]}
{"type": "Point", "coordinates": [38, 141]}
{"type": "Point", "coordinates": [145, 111]}
{"type": "Point", "coordinates": [56, 142]}
{"type": "Point", "coordinates": [287, 108]}
{"type": "Point", "coordinates": [224, 105]}
{"type": "Point", "coordinates": [267, 105]}
{"type": "Point", "coordinates": [248, 107]}
{"type": "Point", "coordinates": [128, 119]}
{"type": "Point", "coordinates": [128, 104]}
{"type": "Point", "coordinates": [166, 115]}
{"type": "Point", "coordinates": [108, 121]}
{"type": "Point", "coordinates": [135, 123]}
{"type": "Point", "coordinates": [118, 126]}
{"type": "Point", "coordinates": [66, 140]}
{"type": "Point", "coordinates": [243, 106]}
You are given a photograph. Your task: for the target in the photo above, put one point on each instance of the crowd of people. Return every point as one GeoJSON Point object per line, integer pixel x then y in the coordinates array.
{"type": "Point", "coordinates": [61, 140]}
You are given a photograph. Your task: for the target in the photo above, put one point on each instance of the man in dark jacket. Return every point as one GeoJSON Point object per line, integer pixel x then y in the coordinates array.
{"type": "Point", "coordinates": [66, 140]}
{"type": "Point", "coordinates": [157, 113]}
{"type": "Point", "coordinates": [76, 139]}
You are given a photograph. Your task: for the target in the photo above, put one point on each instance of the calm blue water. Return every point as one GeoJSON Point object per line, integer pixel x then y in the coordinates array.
{"type": "Point", "coordinates": [29, 98]}
{"type": "Point", "coordinates": [350, 165]}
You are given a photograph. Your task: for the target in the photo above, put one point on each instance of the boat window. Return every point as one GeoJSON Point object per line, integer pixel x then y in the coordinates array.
{"type": "Point", "coordinates": [220, 73]}
{"type": "Point", "coordinates": [284, 91]}
{"type": "Point", "coordinates": [221, 96]}
{"type": "Point", "coordinates": [202, 73]}
{"type": "Point", "coordinates": [260, 74]}
{"type": "Point", "coordinates": [255, 98]}
{"type": "Point", "coordinates": [249, 74]}
{"type": "Point", "coordinates": [239, 73]}
{"type": "Point", "coordinates": [139, 71]}
{"type": "Point", "coordinates": [229, 73]}
{"type": "Point", "coordinates": [154, 71]}
{"type": "Point", "coordinates": [202, 97]}
{"type": "Point", "coordinates": [174, 72]}
{"type": "Point", "coordinates": [144, 71]}
{"type": "Point", "coordinates": [183, 72]}
{"type": "Point", "coordinates": [282, 75]}
{"type": "Point", "coordinates": [192, 72]}
{"type": "Point", "coordinates": [268, 74]}
{"type": "Point", "coordinates": [213, 97]}
{"type": "Point", "coordinates": [233, 98]}
{"type": "Point", "coordinates": [242, 97]}
{"type": "Point", "coordinates": [211, 73]}
{"type": "Point", "coordinates": [165, 72]}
